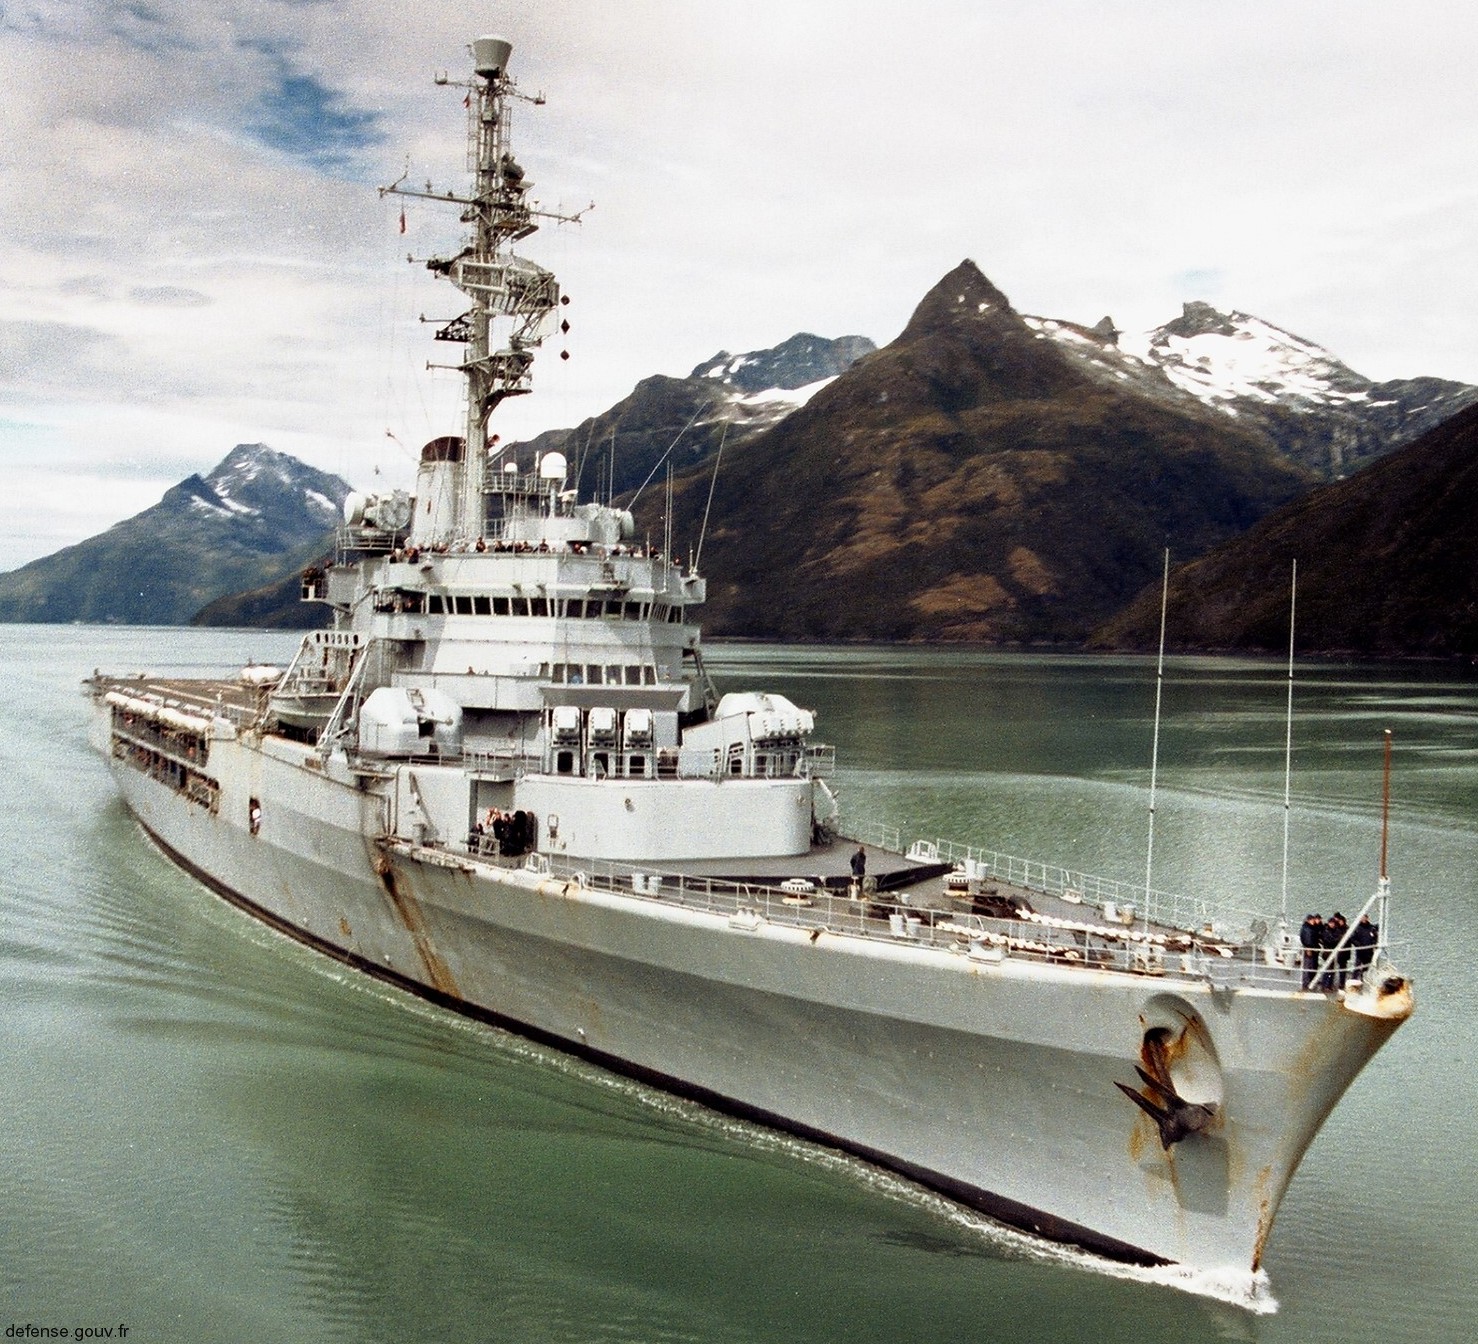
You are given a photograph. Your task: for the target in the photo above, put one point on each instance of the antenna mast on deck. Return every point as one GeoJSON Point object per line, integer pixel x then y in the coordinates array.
{"type": "Point", "coordinates": [1149, 857]}
{"type": "Point", "coordinates": [499, 283]}
{"type": "Point", "coordinates": [1288, 750]}
{"type": "Point", "coordinates": [1385, 814]}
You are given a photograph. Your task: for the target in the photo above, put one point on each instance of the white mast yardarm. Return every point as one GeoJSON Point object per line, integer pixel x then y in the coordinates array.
{"type": "Point", "coordinates": [501, 285]}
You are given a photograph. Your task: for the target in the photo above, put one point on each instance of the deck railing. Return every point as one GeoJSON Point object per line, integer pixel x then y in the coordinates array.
{"type": "Point", "coordinates": [1117, 899]}
{"type": "Point", "coordinates": [1090, 943]}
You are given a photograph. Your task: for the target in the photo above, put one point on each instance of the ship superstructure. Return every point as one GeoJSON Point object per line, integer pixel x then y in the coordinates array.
{"type": "Point", "coordinates": [503, 779]}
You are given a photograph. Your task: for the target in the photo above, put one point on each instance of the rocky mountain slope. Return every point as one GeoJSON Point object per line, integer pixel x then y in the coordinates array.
{"type": "Point", "coordinates": [1387, 564]}
{"type": "Point", "coordinates": [1313, 408]}
{"type": "Point", "coordinates": [971, 481]}
{"type": "Point", "coordinates": [988, 476]}
{"type": "Point", "coordinates": [274, 605]}
{"type": "Point", "coordinates": [728, 397]}
{"type": "Point", "coordinates": [257, 513]}
{"type": "Point", "coordinates": [681, 421]}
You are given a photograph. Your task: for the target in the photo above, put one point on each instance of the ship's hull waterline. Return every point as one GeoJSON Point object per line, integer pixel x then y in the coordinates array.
{"type": "Point", "coordinates": [991, 1081]}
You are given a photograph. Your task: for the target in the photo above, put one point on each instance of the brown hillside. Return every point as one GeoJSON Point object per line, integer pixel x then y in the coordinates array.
{"type": "Point", "coordinates": [967, 482]}
{"type": "Point", "coordinates": [1387, 564]}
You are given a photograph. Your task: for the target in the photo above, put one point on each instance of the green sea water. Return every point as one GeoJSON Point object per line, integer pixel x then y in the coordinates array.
{"type": "Point", "coordinates": [208, 1133]}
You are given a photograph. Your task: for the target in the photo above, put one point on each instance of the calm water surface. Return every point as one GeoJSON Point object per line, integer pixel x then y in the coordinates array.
{"type": "Point", "coordinates": [210, 1134]}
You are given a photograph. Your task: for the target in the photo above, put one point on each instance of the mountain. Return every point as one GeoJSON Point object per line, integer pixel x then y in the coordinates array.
{"type": "Point", "coordinates": [256, 513]}
{"type": "Point", "coordinates": [1313, 408]}
{"type": "Point", "coordinates": [802, 361]}
{"type": "Point", "coordinates": [973, 480]}
{"type": "Point", "coordinates": [681, 421]}
{"type": "Point", "coordinates": [274, 605]}
{"type": "Point", "coordinates": [728, 398]}
{"type": "Point", "coordinates": [1387, 564]}
{"type": "Point", "coordinates": [988, 476]}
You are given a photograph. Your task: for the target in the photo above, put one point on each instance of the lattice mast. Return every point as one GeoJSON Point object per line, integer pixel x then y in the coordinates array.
{"type": "Point", "coordinates": [502, 285]}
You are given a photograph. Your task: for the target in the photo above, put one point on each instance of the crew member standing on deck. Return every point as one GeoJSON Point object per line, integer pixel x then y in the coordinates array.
{"type": "Point", "coordinates": [1335, 928]}
{"type": "Point", "coordinates": [1363, 940]}
{"type": "Point", "coordinates": [1311, 935]}
{"type": "Point", "coordinates": [859, 869]}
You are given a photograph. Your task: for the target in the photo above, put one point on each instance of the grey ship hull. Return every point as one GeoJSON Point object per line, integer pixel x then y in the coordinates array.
{"type": "Point", "coordinates": [991, 1081]}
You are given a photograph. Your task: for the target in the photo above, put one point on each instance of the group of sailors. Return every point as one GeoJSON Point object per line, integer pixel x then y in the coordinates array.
{"type": "Point", "coordinates": [1319, 937]}
{"type": "Point", "coordinates": [508, 834]}
{"type": "Point", "coordinates": [411, 554]}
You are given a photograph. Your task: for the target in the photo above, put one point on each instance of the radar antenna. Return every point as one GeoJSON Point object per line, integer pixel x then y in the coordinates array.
{"type": "Point", "coordinates": [500, 284]}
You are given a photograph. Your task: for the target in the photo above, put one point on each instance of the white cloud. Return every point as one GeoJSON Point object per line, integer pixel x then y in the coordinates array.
{"type": "Point", "coordinates": [192, 252]}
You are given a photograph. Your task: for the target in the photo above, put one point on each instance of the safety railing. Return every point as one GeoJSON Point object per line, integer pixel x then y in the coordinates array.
{"type": "Point", "coordinates": [1088, 943]}
{"type": "Point", "coordinates": [1127, 901]}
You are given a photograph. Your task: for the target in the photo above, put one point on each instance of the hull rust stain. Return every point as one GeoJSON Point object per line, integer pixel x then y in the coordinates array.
{"type": "Point", "coordinates": [438, 973]}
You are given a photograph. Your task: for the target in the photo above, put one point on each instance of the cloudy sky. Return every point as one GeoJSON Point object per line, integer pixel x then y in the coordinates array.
{"type": "Point", "coordinates": [194, 255]}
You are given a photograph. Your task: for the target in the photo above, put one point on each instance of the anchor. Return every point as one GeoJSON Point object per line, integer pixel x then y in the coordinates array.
{"type": "Point", "coordinates": [1176, 1118]}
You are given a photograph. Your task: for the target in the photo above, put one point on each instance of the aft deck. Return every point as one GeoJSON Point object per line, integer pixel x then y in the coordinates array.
{"type": "Point", "coordinates": [208, 697]}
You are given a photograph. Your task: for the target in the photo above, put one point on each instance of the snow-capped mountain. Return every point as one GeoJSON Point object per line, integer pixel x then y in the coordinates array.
{"type": "Point", "coordinates": [233, 529]}
{"type": "Point", "coordinates": [1315, 408]}
{"type": "Point", "coordinates": [804, 361]}
{"type": "Point", "coordinates": [1227, 358]}
{"type": "Point", "coordinates": [679, 421]}
{"type": "Point", "coordinates": [255, 481]}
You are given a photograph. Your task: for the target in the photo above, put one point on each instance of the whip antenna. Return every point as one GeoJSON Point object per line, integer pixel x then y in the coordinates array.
{"type": "Point", "coordinates": [1149, 858]}
{"type": "Point", "coordinates": [1288, 750]}
{"type": "Point", "coordinates": [712, 482]}
{"type": "Point", "coordinates": [1385, 812]}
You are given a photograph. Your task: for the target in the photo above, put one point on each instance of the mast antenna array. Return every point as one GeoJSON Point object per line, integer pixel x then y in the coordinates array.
{"type": "Point", "coordinates": [502, 286]}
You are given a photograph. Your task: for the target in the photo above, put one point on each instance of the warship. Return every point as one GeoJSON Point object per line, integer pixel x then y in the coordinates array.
{"type": "Point", "coordinates": [502, 779]}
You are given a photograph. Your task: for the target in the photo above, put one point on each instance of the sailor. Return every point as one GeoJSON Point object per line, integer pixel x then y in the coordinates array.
{"type": "Point", "coordinates": [1311, 936]}
{"type": "Point", "coordinates": [859, 870]}
{"type": "Point", "coordinates": [1363, 940]}
{"type": "Point", "coordinates": [1335, 928]}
